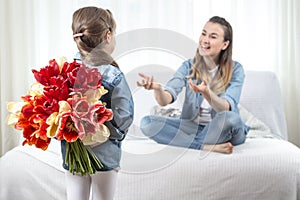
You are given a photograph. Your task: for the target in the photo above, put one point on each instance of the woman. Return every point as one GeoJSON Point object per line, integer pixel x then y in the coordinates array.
{"type": "Point", "coordinates": [94, 34]}
{"type": "Point", "coordinates": [210, 117]}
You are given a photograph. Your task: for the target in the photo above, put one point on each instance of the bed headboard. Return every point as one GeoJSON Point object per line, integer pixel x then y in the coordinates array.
{"type": "Point", "coordinates": [261, 96]}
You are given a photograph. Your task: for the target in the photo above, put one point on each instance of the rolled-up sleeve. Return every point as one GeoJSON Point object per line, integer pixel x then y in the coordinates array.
{"type": "Point", "coordinates": [123, 110]}
{"type": "Point", "coordinates": [178, 81]}
{"type": "Point", "coordinates": [234, 89]}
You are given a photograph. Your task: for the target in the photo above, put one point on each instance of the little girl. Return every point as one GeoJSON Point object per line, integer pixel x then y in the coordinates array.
{"type": "Point", "coordinates": [94, 33]}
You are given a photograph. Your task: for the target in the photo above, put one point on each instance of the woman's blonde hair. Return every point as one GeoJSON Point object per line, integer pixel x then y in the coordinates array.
{"type": "Point", "coordinates": [92, 24]}
{"type": "Point", "coordinates": [222, 78]}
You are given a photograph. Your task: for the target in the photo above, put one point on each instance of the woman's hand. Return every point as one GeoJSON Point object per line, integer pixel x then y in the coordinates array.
{"type": "Point", "coordinates": [162, 97]}
{"type": "Point", "coordinates": [202, 88]}
{"type": "Point", "coordinates": [148, 82]}
{"type": "Point", "coordinates": [217, 103]}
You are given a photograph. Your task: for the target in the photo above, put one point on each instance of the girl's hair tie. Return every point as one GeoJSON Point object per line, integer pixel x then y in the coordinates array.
{"type": "Point", "coordinates": [77, 35]}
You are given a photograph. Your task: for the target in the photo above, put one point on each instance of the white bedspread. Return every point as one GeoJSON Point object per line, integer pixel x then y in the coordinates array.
{"type": "Point", "coordinates": [262, 168]}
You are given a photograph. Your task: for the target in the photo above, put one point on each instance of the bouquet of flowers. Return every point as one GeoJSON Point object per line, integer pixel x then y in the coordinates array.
{"type": "Point", "coordinates": [64, 104]}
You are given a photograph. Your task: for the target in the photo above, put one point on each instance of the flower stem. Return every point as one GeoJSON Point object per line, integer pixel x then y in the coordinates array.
{"type": "Point", "coordinates": [81, 159]}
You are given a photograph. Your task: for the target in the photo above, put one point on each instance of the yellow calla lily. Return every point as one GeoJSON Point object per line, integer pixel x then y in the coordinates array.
{"type": "Point", "coordinates": [51, 130]}
{"type": "Point", "coordinates": [36, 89]}
{"type": "Point", "coordinates": [60, 61]}
{"type": "Point", "coordinates": [97, 138]}
{"type": "Point", "coordinates": [15, 110]}
{"type": "Point", "coordinates": [103, 91]}
{"type": "Point", "coordinates": [93, 96]}
{"type": "Point", "coordinates": [12, 119]}
{"type": "Point", "coordinates": [64, 106]}
{"type": "Point", "coordinates": [53, 119]}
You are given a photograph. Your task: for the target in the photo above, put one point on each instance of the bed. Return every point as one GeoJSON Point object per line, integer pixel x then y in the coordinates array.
{"type": "Point", "coordinates": [266, 167]}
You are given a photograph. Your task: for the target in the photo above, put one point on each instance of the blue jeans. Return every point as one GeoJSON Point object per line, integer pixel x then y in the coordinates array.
{"type": "Point", "coordinates": [226, 126]}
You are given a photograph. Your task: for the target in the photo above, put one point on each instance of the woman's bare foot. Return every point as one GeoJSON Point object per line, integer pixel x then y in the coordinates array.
{"type": "Point", "coordinates": [221, 148]}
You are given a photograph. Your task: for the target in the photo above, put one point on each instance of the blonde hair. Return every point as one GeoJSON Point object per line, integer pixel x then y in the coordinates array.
{"type": "Point", "coordinates": [222, 78]}
{"type": "Point", "coordinates": [92, 24]}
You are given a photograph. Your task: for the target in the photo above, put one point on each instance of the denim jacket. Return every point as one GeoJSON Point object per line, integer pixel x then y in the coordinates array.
{"type": "Point", "coordinates": [118, 99]}
{"type": "Point", "coordinates": [193, 100]}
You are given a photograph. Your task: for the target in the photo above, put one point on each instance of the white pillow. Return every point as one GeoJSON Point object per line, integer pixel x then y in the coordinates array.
{"type": "Point", "coordinates": [262, 97]}
{"type": "Point", "coordinates": [257, 127]}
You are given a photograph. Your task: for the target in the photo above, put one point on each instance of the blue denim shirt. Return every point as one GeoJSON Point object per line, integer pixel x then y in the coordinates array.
{"type": "Point", "coordinates": [119, 99]}
{"type": "Point", "coordinates": [193, 100]}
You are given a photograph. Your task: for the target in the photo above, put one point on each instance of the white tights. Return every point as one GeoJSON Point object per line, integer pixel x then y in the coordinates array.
{"type": "Point", "coordinates": [101, 186]}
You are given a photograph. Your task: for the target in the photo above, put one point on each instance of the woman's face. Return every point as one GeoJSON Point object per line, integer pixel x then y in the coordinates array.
{"type": "Point", "coordinates": [211, 41]}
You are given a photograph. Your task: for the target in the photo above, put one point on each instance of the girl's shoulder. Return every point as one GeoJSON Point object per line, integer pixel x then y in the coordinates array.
{"type": "Point", "coordinates": [110, 73]}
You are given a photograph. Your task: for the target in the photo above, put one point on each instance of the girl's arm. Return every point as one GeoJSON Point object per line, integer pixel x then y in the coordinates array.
{"type": "Point", "coordinates": [123, 109]}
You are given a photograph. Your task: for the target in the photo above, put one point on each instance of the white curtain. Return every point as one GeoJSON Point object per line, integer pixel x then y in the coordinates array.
{"type": "Point", "coordinates": [266, 37]}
